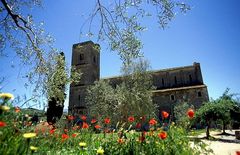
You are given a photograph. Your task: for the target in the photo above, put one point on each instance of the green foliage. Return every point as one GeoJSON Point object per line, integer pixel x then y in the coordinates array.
{"type": "Point", "coordinates": [57, 79]}
{"type": "Point", "coordinates": [66, 141]}
{"type": "Point", "coordinates": [218, 110]}
{"type": "Point", "coordinates": [101, 99]}
{"type": "Point", "coordinates": [180, 111]}
{"type": "Point", "coordinates": [35, 48]}
{"type": "Point", "coordinates": [134, 92]}
{"type": "Point", "coordinates": [120, 23]}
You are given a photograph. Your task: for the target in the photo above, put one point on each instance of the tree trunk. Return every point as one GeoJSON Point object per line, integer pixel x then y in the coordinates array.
{"type": "Point", "coordinates": [224, 128]}
{"type": "Point", "coordinates": [54, 112]}
{"type": "Point", "coordinates": [207, 130]}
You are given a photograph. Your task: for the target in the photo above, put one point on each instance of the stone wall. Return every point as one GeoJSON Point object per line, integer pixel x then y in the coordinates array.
{"type": "Point", "coordinates": [86, 57]}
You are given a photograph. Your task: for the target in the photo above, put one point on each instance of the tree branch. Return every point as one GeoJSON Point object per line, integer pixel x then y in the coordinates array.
{"type": "Point", "coordinates": [25, 28]}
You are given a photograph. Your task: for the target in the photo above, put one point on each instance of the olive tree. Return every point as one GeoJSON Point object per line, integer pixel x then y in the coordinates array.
{"type": "Point", "coordinates": [135, 91]}
{"type": "Point", "coordinates": [44, 68]}
{"type": "Point", "coordinates": [213, 111]}
{"type": "Point", "coordinates": [131, 97]}
{"type": "Point", "coordinates": [118, 23]}
{"type": "Point", "coordinates": [101, 100]}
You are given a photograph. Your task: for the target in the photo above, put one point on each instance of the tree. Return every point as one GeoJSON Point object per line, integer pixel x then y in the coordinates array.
{"type": "Point", "coordinates": [230, 108]}
{"type": "Point", "coordinates": [180, 114]}
{"type": "Point", "coordinates": [132, 96]}
{"type": "Point", "coordinates": [213, 111]}
{"type": "Point", "coordinates": [35, 49]}
{"type": "Point", "coordinates": [225, 108]}
{"type": "Point", "coordinates": [101, 100]}
{"type": "Point", "coordinates": [206, 114]}
{"type": "Point", "coordinates": [119, 24]}
{"type": "Point", "coordinates": [135, 91]}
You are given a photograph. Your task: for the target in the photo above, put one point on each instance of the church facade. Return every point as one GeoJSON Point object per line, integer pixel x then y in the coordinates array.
{"type": "Point", "coordinates": [173, 85]}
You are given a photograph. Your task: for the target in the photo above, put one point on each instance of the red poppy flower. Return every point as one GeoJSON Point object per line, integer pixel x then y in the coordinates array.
{"type": "Point", "coordinates": [85, 125]}
{"type": "Point", "coordinates": [93, 121]}
{"type": "Point", "coordinates": [74, 128]}
{"type": "Point", "coordinates": [43, 130]}
{"type": "Point", "coordinates": [65, 130]}
{"type": "Point", "coordinates": [238, 152]}
{"type": "Point", "coordinates": [152, 122]}
{"type": "Point", "coordinates": [130, 119]}
{"type": "Point", "coordinates": [142, 137]}
{"type": "Point", "coordinates": [165, 114]}
{"type": "Point", "coordinates": [17, 109]}
{"type": "Point", "coordinates": [2, 124]}
{"type": "Point", "coordinates": [74, 135]}
{"type": "Point", "coordinates": [107, 120]}
{"type": "Point", "coordinates": [190, 113]}
{"type": "Point", "coordinates": [52, 131]}
{"type": "Point", "coordinates": [138, 126]}
{"type": "Point", "coordinates": [120, 141]}
{"type": "Point", "coordinates": [84, 118]}
{"type": "Point", "coordinates": [70, 117]}
{"type": "Point", "coordinates": [64, 136]}
{"type": "Point", "coordinates": [162, 135]}
{"type": "Point", "coordinates": [97, 126]}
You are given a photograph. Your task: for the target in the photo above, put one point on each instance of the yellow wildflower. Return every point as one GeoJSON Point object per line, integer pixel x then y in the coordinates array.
{"type": "Point", "coordinates": [29, 135]}
{"type": "Point", "coordinates": [6, 96]}
{"type": "Point", "coordinates": [5, 108]}
{"type": "Point", "coordinates": [100, 151]}
{"type": "Point", "coordinates": [82, 144]}
{"type": "Point", "coordinates": [33, 148]}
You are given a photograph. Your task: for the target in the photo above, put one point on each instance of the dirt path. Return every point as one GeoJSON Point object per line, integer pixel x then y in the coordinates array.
{"type": "Point", "coordinates": [223, 148]}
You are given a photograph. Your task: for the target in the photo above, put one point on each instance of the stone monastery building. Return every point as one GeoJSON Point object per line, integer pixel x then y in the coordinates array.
{"type": "Point", "coordinates": [173, 85]}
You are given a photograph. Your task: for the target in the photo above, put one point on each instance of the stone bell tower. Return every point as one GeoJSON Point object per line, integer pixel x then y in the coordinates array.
{"type": "Point", "coordinates": [86, 57]}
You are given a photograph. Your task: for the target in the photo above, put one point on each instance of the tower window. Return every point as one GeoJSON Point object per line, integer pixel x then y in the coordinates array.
{"type": "Point", "coordinates": [175, 80]}
{"type": "Point", "coordinates": [199, 94]}
{"type": "Point", "coordinates": [94, 59]}
{"type": "Point", "coordinates": [172, 97]}
{"type": "Point", "coordinates": [190, 78]}
{"type": "Point", "coordinates": [79, 97]}
{"type": "Point", "coordinates": [162, 82]}
{"type": "Point", "coordinates": [81, 57]}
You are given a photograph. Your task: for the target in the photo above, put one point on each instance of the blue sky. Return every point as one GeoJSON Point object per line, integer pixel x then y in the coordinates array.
{"type": "Point", "coordinates": [209, 34]}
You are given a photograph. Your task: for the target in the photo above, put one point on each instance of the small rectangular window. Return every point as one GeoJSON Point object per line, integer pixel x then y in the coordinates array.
{"type": "Point", "coordinates": [199, 94]}
{"type": "Point", "coordinates": [162, 82]}
{"type": "Point", "coordinates": [172, 97]}
{"type": "Point", "coordinates": [79, 97]}
{"type": "Point", "coordinates": [190, 78]}
{"type": "Point", "coordinates": [175, 80]}
{"type": "Point", "coordinates": [81, 57]}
